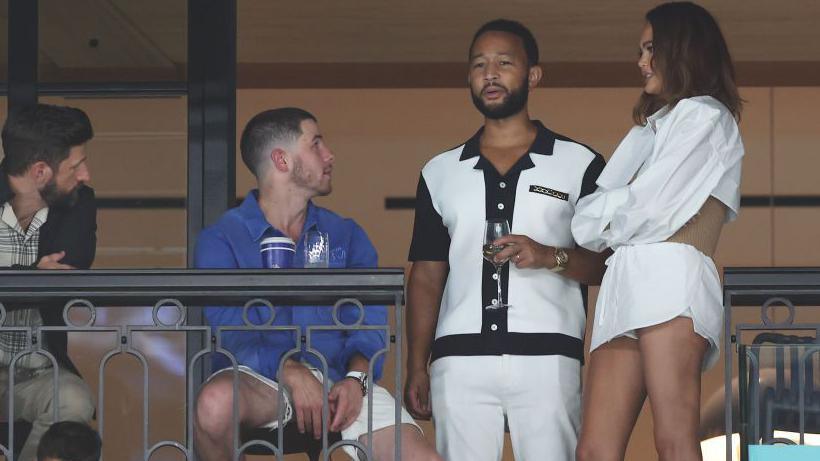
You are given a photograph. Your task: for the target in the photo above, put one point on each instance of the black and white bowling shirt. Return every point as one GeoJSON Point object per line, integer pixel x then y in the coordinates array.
{"type": "Point", "coordinates": [457, 191]}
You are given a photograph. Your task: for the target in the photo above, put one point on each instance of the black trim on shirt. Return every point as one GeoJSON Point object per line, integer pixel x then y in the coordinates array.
{"type": "Point", "coordinates": [542, 144]}
{"type": "Point", "coordinates": [510, 343]}
{"type": "Point", "coordinates": [494, 337]}
{"type": "Point", "coordinates": [596, 166]}
{"type": "Point", "coordinates": [594, 169]}
{"type": "Point", "coordinates": [431, 239]}
{"type": "Point", "coordinates": [494, 195]}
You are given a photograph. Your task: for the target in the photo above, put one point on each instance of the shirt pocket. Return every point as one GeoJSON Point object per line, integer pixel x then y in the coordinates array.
{"type": "Point", "coordinates": [543, 212]}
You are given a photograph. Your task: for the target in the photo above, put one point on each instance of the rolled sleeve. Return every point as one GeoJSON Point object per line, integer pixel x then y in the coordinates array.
{"type": "Point", "coordinates": [690, 163]}
{"type": "Point", "coordinates": [368, 342]}
{"type": "Point", "coordinates": [364, 342]}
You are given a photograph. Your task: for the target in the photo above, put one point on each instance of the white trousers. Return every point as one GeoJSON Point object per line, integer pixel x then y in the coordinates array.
{"type": "Point", "coordinates": [540, 396]}
{"type": "Point", "coordinates": [33, 401]}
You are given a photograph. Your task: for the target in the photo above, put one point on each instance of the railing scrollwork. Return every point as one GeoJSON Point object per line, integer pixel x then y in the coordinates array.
{"type": "Point", "coordinates": [171, 296]}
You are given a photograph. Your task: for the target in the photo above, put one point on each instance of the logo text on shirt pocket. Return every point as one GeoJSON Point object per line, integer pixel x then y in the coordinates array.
{"type": "Point", "coordinates": [550, 192]}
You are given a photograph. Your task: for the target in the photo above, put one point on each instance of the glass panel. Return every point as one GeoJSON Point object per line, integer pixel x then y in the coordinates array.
{"type": "Point", "coordinates": [779, 375]}
{"type": "Point", "coordinates": [112, 41]}
{"type": "Point", "coordinates": [138, 170]}
{"type": "Point", "coordinates": [121, 408]}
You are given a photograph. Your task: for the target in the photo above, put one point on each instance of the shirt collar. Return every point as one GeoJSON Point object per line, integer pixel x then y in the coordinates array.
{"type": "Point", "coordinates": [543, 143]}
{"type": "Point", "coordinates": [259, 227]}
{"type": "Point", "coordinates": [656, 119]}
{"type": "Point", "coordinates": [9, 219]}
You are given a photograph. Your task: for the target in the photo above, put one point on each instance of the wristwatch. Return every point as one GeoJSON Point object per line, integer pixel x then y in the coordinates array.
{"type": "Point", "coordinates": [561, 259]}
{"type": "Point", "coordinates": [361, 377]}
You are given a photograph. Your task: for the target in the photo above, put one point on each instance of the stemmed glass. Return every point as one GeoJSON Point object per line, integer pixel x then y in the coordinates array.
{"type": "Point", "coordinates": [493, 230]}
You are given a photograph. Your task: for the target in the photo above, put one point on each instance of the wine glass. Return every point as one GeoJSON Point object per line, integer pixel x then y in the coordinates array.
{"type": "Point", "coordinates": [493, 230]}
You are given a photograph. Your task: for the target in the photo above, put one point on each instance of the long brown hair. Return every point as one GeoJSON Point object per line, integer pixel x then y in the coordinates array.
{"type": "Point", "coordinates": [692, 58]}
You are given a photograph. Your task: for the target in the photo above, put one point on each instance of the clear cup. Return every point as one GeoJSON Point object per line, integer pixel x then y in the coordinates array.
{"type": "Point", "coordinates": [316, 245]}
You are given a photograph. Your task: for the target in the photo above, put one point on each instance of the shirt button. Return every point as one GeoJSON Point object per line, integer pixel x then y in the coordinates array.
{"type": "Point", "coordinates": [502, 184]}
{"type": "Point", "coordinates": [493, 327]}
{"type": "Point", "coordinates": [500, 206]}
{"type": "Point", "coordinates": [494, 302]}
{"type": "Point", "coordinates": [495, 276]}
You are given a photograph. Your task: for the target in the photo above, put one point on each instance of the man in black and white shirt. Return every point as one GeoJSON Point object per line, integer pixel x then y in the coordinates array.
{"type": "Point", "coordinates": [522, 362]}
{"type": "Point", "coordinates": [47, 221]}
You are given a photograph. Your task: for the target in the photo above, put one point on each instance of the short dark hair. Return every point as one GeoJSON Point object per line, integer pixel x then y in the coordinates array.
{"type": "Point", "coordinates": [70, 441]}
{"type": "Point", "coordinates": [265, 128]}
{"type": "Point", "coordinates": [692, 58]}
{"type": "Point", "coordinates": [511, 27]}
{"type": "Point", "coordinates": [42, 132]}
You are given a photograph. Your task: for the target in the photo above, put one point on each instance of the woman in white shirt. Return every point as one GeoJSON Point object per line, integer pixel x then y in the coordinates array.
{"type": "Point", "coordinates": [662, 200]}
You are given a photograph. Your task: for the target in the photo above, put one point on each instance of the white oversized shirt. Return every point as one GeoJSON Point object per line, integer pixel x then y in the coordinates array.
{"type": "Point", "coordinates": [659, 177]}
{"type": "Point", "coordinates": [681, 157]}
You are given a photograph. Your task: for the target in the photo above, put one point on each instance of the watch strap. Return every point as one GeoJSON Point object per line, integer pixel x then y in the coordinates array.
{"type": "Point", "coordinates": [361, 377]}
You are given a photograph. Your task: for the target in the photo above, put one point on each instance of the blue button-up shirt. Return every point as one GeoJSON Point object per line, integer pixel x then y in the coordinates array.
{"type": "Point", "coordinates": [233, 242]}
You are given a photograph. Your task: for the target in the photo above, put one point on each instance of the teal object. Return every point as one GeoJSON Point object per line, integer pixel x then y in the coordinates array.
{"type": "Point", "coordinates": [784, 452]}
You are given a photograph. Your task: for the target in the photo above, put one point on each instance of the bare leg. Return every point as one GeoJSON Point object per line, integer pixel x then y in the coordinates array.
{"type": "Point", "coordinates": [672, 355]}
{"type": "Point", "coordinates": [614, 393]}
{"type": "Point", "coordinates": [213, 421]}
{"type": "Point", "coordinates": [414, 447]}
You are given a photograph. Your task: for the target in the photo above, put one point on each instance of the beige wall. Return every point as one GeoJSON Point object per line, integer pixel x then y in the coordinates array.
{"type": "Point", "coordinates": [381, 139]}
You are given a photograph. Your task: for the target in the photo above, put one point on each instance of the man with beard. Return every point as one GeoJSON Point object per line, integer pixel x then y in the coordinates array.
{"type": "Point", "coordinates": [286, 152]}
{"type": "Point", "coordinates": [48, 220]}
{"type": "Point", "coordinates": [520, 361]}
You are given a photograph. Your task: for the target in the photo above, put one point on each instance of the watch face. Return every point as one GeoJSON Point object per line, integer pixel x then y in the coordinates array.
{"type": "Point", "coordinates": [561, 260]}
{"type": "Point", "coordinates": [564, 256]}
{"type": "Point", "coordinates": [361, 377]}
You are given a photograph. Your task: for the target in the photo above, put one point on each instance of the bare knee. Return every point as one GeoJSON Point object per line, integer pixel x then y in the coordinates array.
{"type": "Point", "coordinates": [422, 449]}
{"type": "Point", "coordinates": [592, 451]}
{"type": "Point", "coordinates": [673, 445]}
{"type": "Point", "coordinates": [435, 457]}
{"type": "Point", "coordinates": [430, 456]}
{"type": "Point", "coordinates": [414, 446]}
{"type": "Point", "coordinates": [676, 428]}
{"type": "Point", "coordinates": [214, 407]}
{"type": "Point", "coordinates": [76, 402]}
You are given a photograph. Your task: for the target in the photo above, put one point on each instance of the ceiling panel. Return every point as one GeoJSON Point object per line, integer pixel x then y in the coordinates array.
{"type": "Point", "coordinates": [439, 31]}
{"type": "Point", "coordinates": [96, 33]}
{"type": "Point", "coordinates": [130, 34]}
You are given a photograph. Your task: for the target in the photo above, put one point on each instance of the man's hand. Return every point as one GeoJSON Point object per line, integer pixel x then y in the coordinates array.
{"type": "Point", "coordinates": [345, 401]}
{"type": "Point", "coordinates": [525, 252]}
{"type": "Point", "coordinates": [52, 261]}
{"type": "Point", "coordinates": [306, 392]}
{"type": "Point", "coordinates": [417, 394]}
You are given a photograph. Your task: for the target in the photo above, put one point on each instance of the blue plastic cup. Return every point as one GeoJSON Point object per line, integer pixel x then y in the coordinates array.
{"type": "Point", "coordinates": [277, 252]}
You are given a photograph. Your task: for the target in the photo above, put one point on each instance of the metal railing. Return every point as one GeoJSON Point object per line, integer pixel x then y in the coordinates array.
{"type": "Point", "coordinates": [78, 292]}
{"type": "Point", "coordinates": [777, 358]}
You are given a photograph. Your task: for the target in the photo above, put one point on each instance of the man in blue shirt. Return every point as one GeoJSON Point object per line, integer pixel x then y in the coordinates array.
{"type": "Point", "coordinates": [286, 152]}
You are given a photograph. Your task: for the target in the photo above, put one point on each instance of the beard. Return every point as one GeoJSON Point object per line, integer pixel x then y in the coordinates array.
{"type": "Point", "coordinates": [302, 179]}
{"type": "Point", "coordinates": [55, 198]}
{"type": "Point", "coordinates": [514, 103]}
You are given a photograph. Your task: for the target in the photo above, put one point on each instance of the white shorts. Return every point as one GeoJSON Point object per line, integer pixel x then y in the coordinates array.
{"type": "Point", "coordinates": [384, 408]}
{"type": "Point", "coordinates": [653, 283]}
